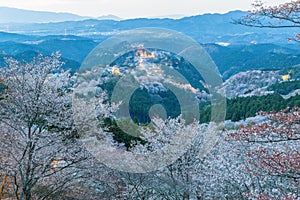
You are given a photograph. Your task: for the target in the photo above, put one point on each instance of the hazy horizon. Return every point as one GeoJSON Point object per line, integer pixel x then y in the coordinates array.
{"type": "Point", "coordinates": [135, 8]}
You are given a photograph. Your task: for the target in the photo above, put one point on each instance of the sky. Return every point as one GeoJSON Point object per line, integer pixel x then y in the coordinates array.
{"type": "Point", "coordinates": [135, 8]}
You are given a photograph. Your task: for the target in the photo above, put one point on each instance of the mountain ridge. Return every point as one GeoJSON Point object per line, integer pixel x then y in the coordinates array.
{"type": "Point", "coordinates": [15, 15]}
{"type": "Point", "coordinates": [205, 28]}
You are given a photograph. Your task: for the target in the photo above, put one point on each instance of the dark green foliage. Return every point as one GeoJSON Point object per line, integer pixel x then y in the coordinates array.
{"type": "Point", "coordinates": [141, 102]}
{"type": "Point", "coordinates": [119, 135]}
{"type": "Point", "coordinates": [2, 88]}
{"type": "Point", "coordinates": [205, 112]}
{"type": "Point", "coordinates": [285, 88]}
{"type": "Point", "coordinates": [294, 101]}
{"type": "Point", "coordinates": [244, 107]}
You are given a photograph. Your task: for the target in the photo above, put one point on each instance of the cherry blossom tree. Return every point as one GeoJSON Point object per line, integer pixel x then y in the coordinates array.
{"type": "Point", "coordinates": [274, 156]}
{"type": "Point", "coordinates": [39, 150]}
{"type": "Point", "coordinates": [285, 15]}
{"type": "Point", "coordinates": [179, 180]}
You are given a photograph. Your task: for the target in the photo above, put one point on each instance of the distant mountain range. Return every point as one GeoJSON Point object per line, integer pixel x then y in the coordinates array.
{"type": "Point", "coordinates": [206, 28]}
{"type": "Point", "coordinates": [14, 15]}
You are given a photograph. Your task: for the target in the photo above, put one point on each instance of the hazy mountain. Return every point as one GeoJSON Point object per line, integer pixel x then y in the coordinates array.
{"type": "Point", "coordinates": [207, 28]}
{"type": "Point", "coordinates": [14, 15]}
{"type": "Point", "coordinates": [109, 17]}
{"type": "Point", "coordinates": [175, 16]}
